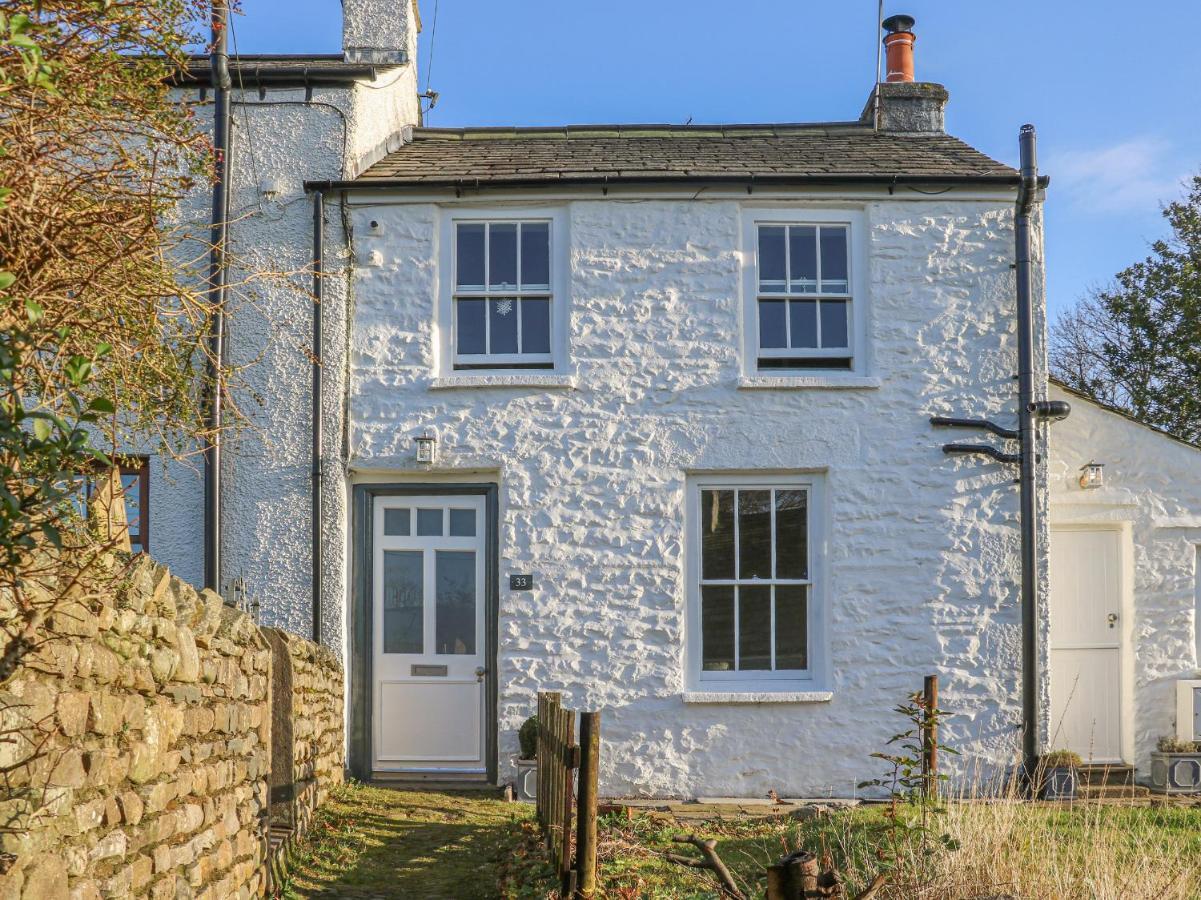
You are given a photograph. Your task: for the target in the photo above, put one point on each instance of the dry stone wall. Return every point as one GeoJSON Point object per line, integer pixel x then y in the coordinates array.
{"type": "Point", "coordinates": [137, 746]}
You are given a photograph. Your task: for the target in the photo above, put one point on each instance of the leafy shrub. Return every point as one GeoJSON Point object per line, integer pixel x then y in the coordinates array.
{"type": "Point", "coordinates": [1062, 759]}
{"type": "Point", "coordinates": [528, 736]}
{"type": "Point", "coordinates": [1168, 744]}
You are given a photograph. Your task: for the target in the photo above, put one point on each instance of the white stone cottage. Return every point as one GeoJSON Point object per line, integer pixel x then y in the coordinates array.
{"type": "Point", "coordinates": [679, 381]}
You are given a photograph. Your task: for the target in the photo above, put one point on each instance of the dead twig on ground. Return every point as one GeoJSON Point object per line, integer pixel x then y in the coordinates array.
{"type": "Point", "coordinates": [711, 861]}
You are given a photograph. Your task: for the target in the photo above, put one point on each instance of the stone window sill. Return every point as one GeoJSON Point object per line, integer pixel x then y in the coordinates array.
{"type": "Point", "coordinates": [498, 380]}
{"type": "Point", "coordinates": [802, 382]}
{"type": "Point", "coordinates": [758, 696]}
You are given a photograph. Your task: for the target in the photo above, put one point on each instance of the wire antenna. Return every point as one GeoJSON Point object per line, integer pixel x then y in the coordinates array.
{"type": "Point", "coordinates": [879, 44]}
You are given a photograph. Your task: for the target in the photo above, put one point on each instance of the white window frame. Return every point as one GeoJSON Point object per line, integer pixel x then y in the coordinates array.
{"type": "Point", "coordinates": [856, 296]}
{"type": "Point", "coordinates": [501, 363]}
{"type": "Point", "coordinates": [748, 681]}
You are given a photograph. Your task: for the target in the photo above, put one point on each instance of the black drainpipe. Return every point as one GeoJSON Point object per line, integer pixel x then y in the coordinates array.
{"type": "Point", "coordinates": [219, 61]}
{"type": "Point", "coordinates": [1027, 191]}
{"type": "Point", "coordinates": [318, 261]}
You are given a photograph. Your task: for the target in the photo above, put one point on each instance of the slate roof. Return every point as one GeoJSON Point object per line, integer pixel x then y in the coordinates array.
{"type": "Point", "coordinates": [836, 153]}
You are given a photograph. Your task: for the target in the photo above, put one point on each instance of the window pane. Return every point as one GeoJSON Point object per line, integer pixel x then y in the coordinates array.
{"type": "Point", "coordinates": [502, 320]}
{"type": "Point", "coordinates": [792, 534]}
{"type": "Point", "coordinates": [754, 627]}
{"type": "Point", "coordinates": [502, 255]}
{"type": "Point", "coordinates": [470, 257]}
{"type": "Point", "coordinates": [834, 323]}
{"type": "Point", "coordinates": [396, 522]}
{"type": "Point", "coordinates": [717, 628]}
{"type": "Point", "coordinates": [802, 248]}
{"type": "Point", "coordinates": [131, 490]}
{"type": "Point", "coordinates": [772, 277]}
{"type": "Point", "coordinates": [454, 593]}
{"type": "Point", "coordinates": [429, 522]}
{"type": "Point", "coordinates": [462, 523]}
{"type": "Point", "coordinates": [792, 627]}
{"type": "Point", "coordinates": [535, 256]}
{"type": "Point", "coordinates": [754, 534]}
{"type": "Point", "coordinates": [717, 534]}
{"type": "Point", "coordinates": [470, 322]}
{"type": "Point", "coordinates": [773, 329]}
{"type": "Point", "coordinates": [404, 599]}
{"type": "Point", "coordinates": [803, 323]}
{"type": "Point", "coordinates": [834, 259]}
{"type": "Point", "coordinates": [535, 326]}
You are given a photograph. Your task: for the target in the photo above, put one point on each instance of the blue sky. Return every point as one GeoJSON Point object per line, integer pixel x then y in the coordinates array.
{"type": "Point", "coordinates": [1111, 87]}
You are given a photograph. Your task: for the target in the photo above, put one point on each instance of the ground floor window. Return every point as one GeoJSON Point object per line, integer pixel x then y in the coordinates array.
{"type": "Point", "coordinates": [752, 578]}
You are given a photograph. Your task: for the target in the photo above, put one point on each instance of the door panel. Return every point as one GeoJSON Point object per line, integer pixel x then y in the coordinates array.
{"type": "Point", "coordinates": [428, 641]}
{"type": "Point", "coordinates": [1086, 643]}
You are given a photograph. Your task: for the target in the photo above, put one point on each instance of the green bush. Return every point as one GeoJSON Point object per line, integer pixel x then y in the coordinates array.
{"type": "Point", "coordinates": [528, 736]}
{"type": "Point", "coordinates": [1062, 759]}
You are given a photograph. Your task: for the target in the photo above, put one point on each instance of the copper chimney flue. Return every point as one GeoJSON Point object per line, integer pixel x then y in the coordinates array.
{"type": "Point", "coordinates": [898, 42]}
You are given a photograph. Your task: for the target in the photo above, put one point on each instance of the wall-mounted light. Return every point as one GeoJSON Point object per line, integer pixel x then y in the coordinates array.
{"type": "Point", "coordinates": [1092, 475]}
{"type": "Point", "coordinates": [426, 445]}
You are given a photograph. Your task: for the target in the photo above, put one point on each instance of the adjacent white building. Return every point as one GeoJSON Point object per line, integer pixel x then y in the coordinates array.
{"type": "Point", "coordinates": [679, 383]}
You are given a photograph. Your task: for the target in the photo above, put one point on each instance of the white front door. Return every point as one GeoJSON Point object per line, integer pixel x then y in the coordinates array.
{"type": "Point", "coordinates": [1086, 643]}
{"type": "Point", "coordinates": [428, 635]}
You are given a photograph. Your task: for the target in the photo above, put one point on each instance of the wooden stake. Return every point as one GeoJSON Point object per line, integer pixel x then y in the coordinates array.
{"type": "Point", "coordinates": [930, 737]}
{"type": "Point", "coordinates": [589, 781]}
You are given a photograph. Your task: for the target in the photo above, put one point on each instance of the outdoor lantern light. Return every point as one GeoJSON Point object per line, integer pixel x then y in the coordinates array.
{"type": "Point", "coordinates": [425, 447]}
{"type": "Point", "coordinates": [1092, 475]}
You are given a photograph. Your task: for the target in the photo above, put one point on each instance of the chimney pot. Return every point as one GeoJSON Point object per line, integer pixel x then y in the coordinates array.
{"type": "Point", "coordinates": [898, 44]}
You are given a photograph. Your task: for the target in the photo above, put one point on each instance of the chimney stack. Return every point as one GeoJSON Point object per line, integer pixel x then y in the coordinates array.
{"type": "Point", "coordinates": [905, 106]}
{"type": "Point", "coordinates": [383, 32]}
{"type": "Point", "coordinates": [898, 43]}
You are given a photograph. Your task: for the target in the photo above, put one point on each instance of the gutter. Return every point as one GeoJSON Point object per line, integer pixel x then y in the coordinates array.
{"type": "Point", "coordinates": [317, 475]}
{"type": "Point", "coordinates": [606, 181]}
{"type": "Point", "coordinates": [218, 234]}
{"type": "Point", "coordinates": [281, 76]}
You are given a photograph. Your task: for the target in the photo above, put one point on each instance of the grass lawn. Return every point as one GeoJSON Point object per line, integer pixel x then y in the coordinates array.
{"type": "Point", "coordinates": [373, 842]}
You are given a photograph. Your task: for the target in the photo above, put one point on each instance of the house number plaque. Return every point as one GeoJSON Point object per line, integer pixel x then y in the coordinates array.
{"type": "Point", "coordinates": [521, 582]}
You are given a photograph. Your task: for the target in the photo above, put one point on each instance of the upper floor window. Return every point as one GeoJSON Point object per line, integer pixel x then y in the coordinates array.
{"type": "Point", "coordinates": [503, 301]}
{"type": "Point", "coordinates": [804, 296]}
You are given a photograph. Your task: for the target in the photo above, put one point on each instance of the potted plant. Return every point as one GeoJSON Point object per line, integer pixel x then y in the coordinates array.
{"type": "Point", "coordinates": [527, 762]}
{"type": "Point", "coordinates": [1060, 774]}
{"type": "Point", "coordinates": [1176, 766]}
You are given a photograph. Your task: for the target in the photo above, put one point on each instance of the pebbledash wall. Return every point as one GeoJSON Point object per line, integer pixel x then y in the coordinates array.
{"type": "Point", "coordinates": [1152, 495]}
{"type": "Point", "coordinates": [139, 752]}
{"type": "Point", "coordinates": [921, 564]}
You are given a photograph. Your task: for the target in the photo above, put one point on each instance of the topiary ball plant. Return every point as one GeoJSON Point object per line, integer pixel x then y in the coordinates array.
{"type": "Point", "coordinates": [1062, 759]}
{"type": "Point", "coordinates": [528, 737]}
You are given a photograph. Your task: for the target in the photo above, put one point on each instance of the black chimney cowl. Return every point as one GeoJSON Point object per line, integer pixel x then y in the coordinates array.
{"type": "Point", "coordinates": [899, 23]}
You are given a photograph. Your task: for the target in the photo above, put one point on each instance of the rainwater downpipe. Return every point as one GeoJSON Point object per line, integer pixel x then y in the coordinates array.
{"type": "Point", "coordinates": [1027, 192]}
{"type": "Point", "coordinates": [218, 233]}
{"type": "Point", "coordinates": [318, 433]}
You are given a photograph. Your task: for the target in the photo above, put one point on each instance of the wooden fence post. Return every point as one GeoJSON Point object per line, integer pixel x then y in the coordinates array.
{"type": "Point", "coordinates": [567, 801]}
{"type": "Point", "coordinates": [589, 782]}
{"type": "Point", "coordinates": [930, 737]}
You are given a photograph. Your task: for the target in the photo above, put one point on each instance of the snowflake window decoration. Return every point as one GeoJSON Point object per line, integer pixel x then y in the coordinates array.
{"type": "Point", "coordinates": [504, 307]}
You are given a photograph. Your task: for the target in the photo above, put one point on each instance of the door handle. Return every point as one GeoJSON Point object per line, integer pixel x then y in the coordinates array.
{"type": "Point", "coordinates": [1112, 619]}
{"type": "Point", "coordinates": [480, 672]}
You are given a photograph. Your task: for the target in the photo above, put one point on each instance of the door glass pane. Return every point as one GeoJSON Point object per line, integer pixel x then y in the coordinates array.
{"type": "Point", "coordinates": [396, 522]}
{"type": "Point", "coordinates": [131, 490]}
{"type": "Point", "coordinates": [429, 522]}
{"type": "Point", "coordinates": [754, 627]}
{"type": "Point", "coordinates": [834, 323]}
{"type": "Point", "coordinates": [404, 599]}
{"type": "Point", "coordinates": [773, 329]}
{"type": "Point", "coordinates": [470, 256]}
{"type": "Point", "coordinates": [791, 627]}
{"type": "Point", "coordinates": [469, 324]}
{"type": "Point", "coordinates": [717, 628]}
{"type": "Point", "coordinates": [802, 249]}
{"type": "Point", "coordinates": [792, 534]}
{"type": "Point", "coordinates": [834, 260]}
{"type": "Point", "coordinates": [717, 534]}
{"type": "Point", "coordinates": [535, 326]}
{"type": "Point", "coordinates": [803, 323]}
{"type": "Point", "coordinates": [502, 255]}
{"type": "Point", "coordinates": [535, 256]}
{"type": "Point", "coordinates": [502, 319]}
{"type": "Point", "coordinates": [454, 618]}
{"type": "Point", "coordinates": [462, 523]}
{"type": "Point", "coordinates": [772, 275]}
{"type": "Point", "coordinates": [754, 534]}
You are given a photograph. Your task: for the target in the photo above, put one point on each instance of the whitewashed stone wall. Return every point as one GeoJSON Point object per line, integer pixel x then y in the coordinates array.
{"type": "Point", "coordinates": [923, 549]}
{"type": "Point", "coordinates": [1153, 487]}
